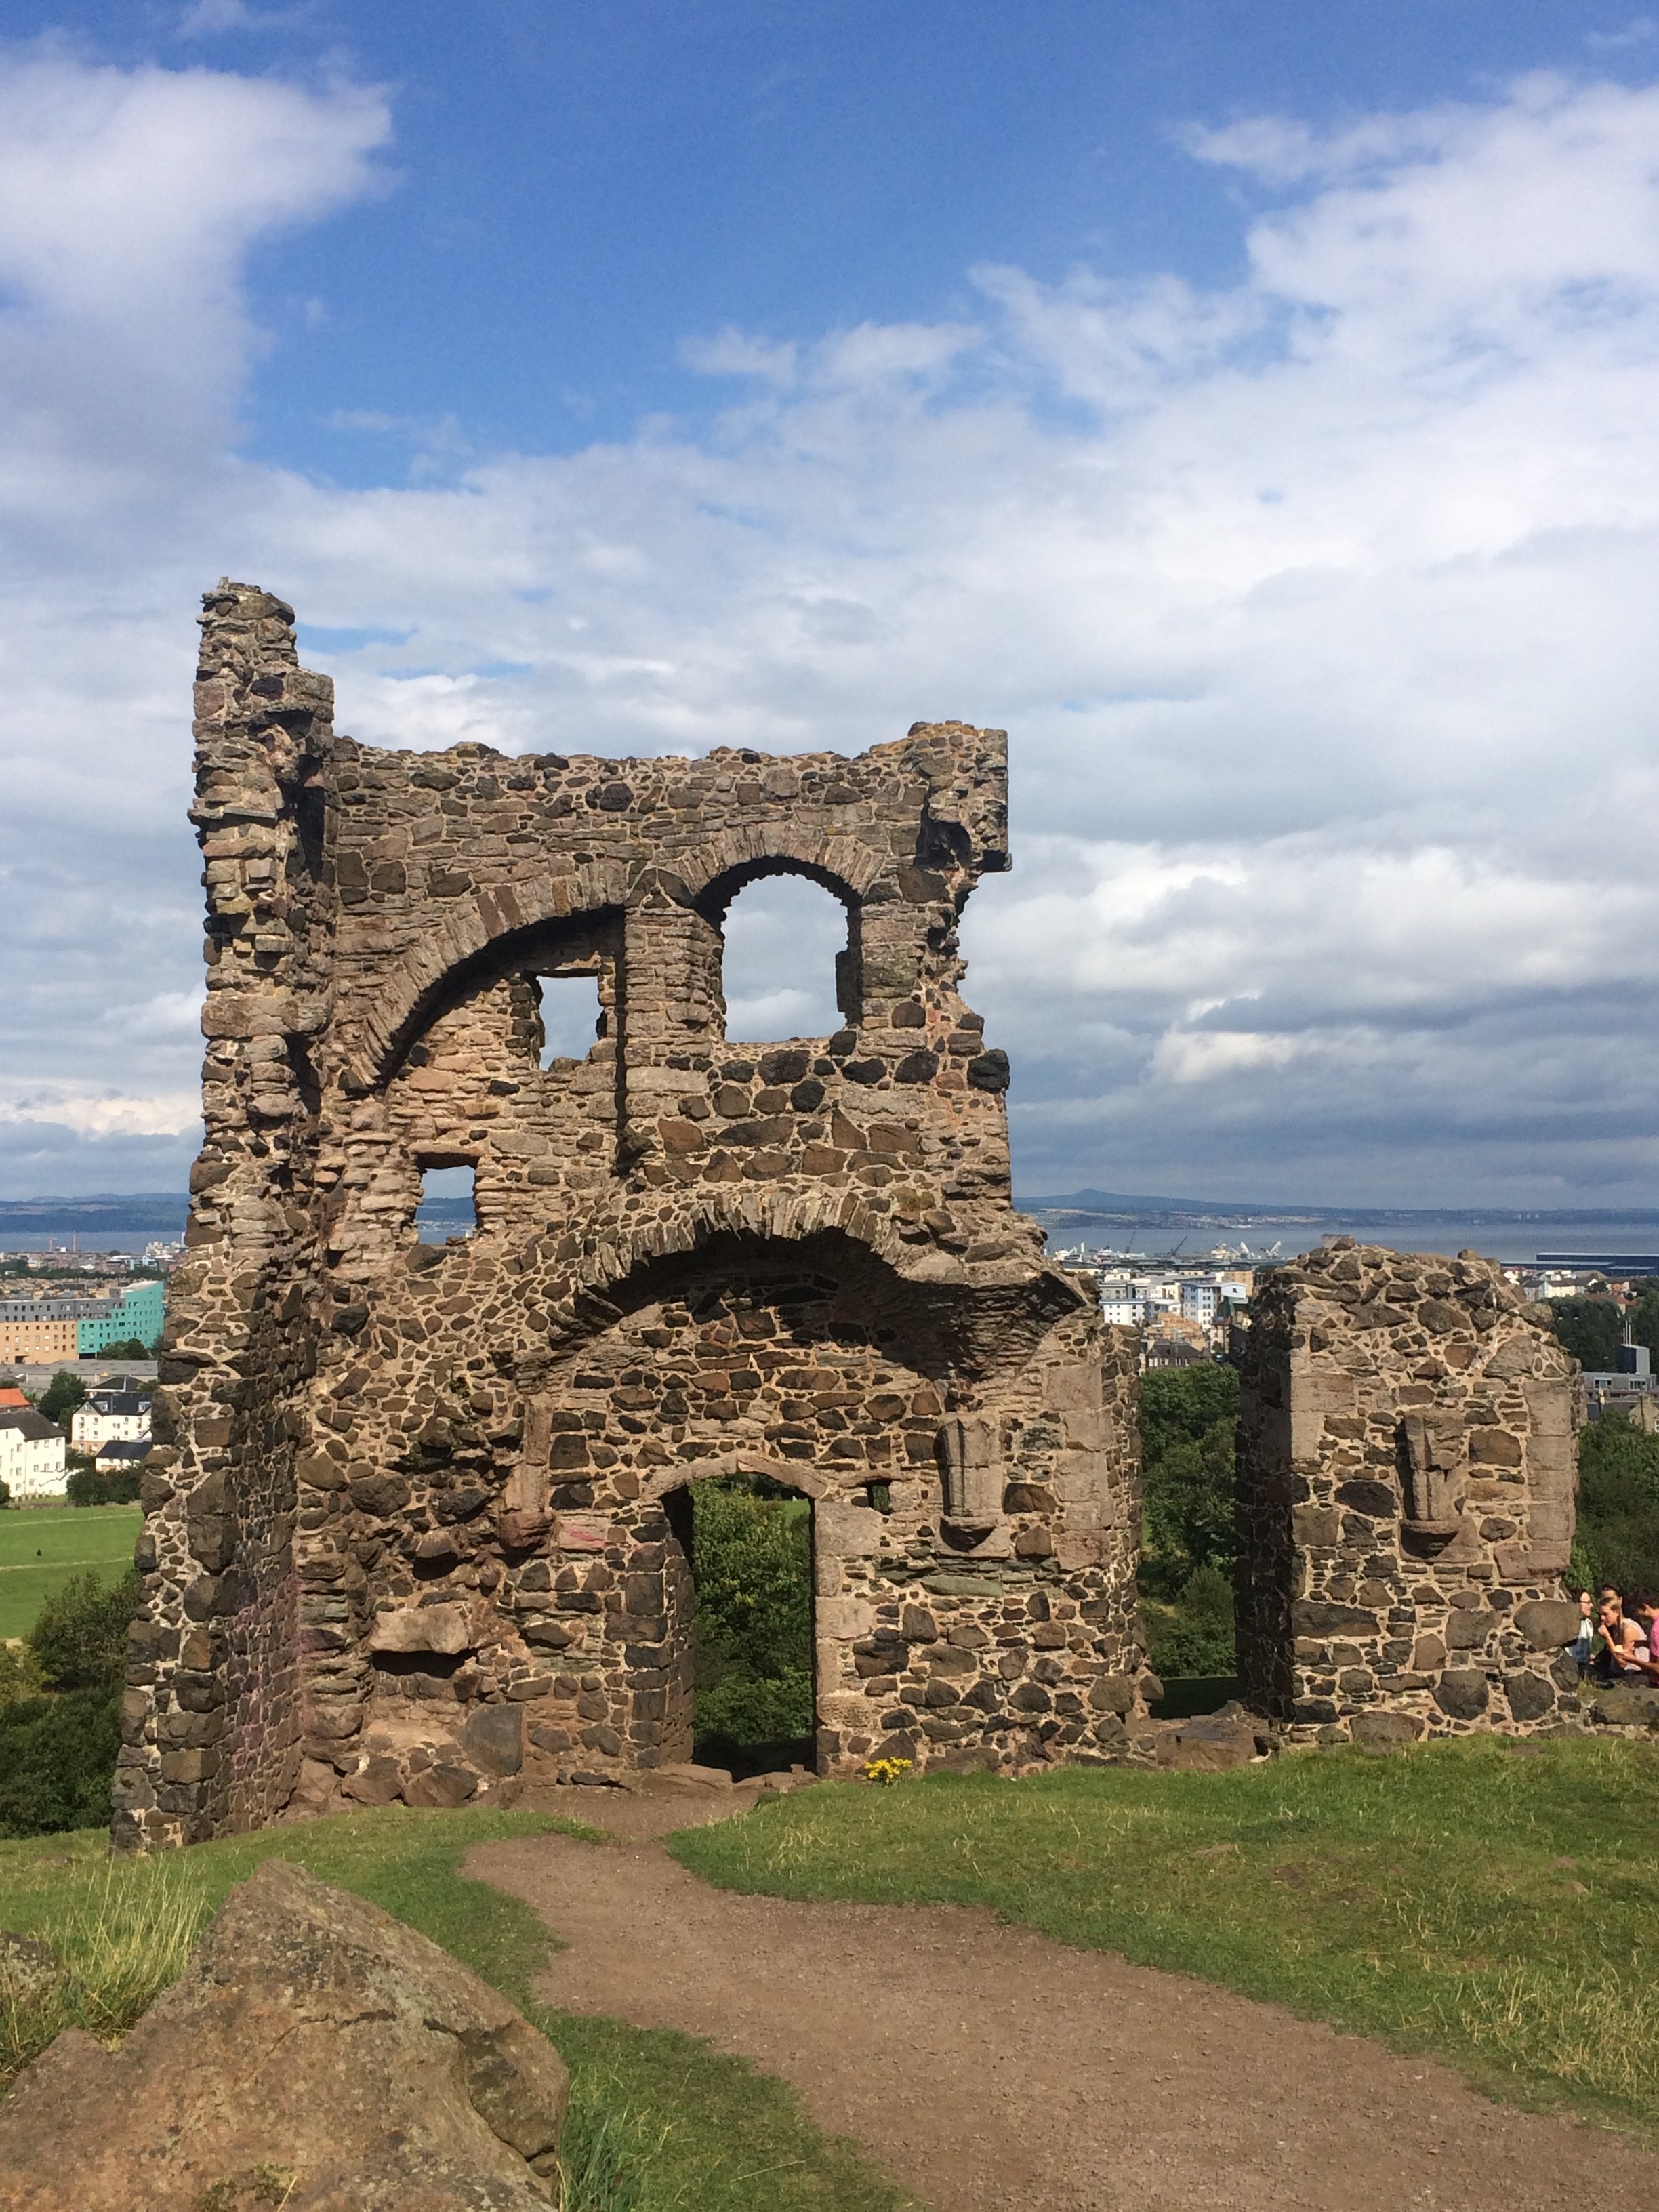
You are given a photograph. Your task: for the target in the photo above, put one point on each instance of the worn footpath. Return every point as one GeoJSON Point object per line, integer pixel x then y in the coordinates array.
{"type": "Point", "coordinates": [984, 2066]}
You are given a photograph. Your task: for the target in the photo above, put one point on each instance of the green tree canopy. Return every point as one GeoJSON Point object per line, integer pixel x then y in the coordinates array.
{"type": "Point", "coordinates": [1617, 1533]}
{"type": "Point", "coordinates": [80, 1638]}
{"type": "Point", "coordinates": [1592, 1330]}
{"type": "Point", "coordinates": [1188, 1420]}
{"type": "Point", "coordinates": [752, 1562]}
{"type": "Point", "coordinates": [61, 1395]}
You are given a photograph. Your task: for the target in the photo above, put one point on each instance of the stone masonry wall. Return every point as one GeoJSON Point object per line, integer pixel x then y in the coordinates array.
{"type": "Point", "coordinates": [417, 1517]}
{"type": "Point", "coordinates": [1406, 1469]}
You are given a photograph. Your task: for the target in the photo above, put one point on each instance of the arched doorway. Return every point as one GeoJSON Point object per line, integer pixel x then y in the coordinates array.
{"type": "Point", "coordinates": [743, 1670]}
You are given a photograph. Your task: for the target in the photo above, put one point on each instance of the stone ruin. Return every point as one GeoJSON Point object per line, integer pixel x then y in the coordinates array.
{"type": "Point", "coordinates": [1406, 1464]}
{"type": "Point", "coordinates": [418, 1516]}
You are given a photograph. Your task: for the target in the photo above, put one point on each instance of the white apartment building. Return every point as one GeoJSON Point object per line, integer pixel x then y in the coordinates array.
{"type": "Point", "coordinates": [31, 1455]}
{"type": "Point", "coordinates": [1137, 1300]}
{"type": "Point", "coordinates": [110, 1416]}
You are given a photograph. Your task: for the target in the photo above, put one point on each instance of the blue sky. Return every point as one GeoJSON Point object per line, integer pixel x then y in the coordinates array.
{"type": "Point", "coordinates": [1250, 405]}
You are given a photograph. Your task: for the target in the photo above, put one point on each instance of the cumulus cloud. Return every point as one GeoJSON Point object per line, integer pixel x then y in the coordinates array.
{"type": "Point", "coordinates": [1317, 606]}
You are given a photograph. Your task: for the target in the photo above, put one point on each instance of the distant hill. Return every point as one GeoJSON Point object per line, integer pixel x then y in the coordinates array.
{"type": "Point", "coordinates": [1219, 1212]}
{"type": "Point", "coordinates": [162, 1213]}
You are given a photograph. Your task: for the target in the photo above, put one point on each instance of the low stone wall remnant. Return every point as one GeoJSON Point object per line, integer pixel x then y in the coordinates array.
{"type": "Point", "coordinates": [1407, 1471]}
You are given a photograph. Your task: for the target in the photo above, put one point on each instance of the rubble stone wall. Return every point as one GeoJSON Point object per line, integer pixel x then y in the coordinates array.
{"type": "Point", "coordinates": [1406, 1473]}
{"type": "Point", "coordinates": [417, 1513]}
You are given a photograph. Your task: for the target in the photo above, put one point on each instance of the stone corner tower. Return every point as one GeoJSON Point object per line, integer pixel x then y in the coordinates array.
{"type": "Point", "coordinates": [417, 1518]}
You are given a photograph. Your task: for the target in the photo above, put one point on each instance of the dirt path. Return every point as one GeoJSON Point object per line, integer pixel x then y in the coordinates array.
{"type": "Point", "coordinates": [985, 2066]}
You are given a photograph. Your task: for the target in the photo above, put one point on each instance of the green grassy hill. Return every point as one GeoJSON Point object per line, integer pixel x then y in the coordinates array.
{"type": "Point", "coordinates": [42, 1546]}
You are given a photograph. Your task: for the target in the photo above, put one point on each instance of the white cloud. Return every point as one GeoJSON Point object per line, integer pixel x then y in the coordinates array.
{"type": "Point", "coordinates": [168, 1116]}
{"type": "Point", "coordinates": [1318, 608]}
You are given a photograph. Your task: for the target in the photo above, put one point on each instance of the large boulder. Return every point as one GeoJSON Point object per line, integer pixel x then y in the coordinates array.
{"type": "Point", "coordinates": [313, 2045]}
{"type": "Point", "coordinates": [1211, 1742]}
{"type": "Point", "coordinates": [1627, 1705]}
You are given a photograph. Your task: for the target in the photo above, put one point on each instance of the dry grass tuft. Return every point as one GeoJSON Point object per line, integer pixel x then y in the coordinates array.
{"type": "Point", "coordinates": [121, 1942]}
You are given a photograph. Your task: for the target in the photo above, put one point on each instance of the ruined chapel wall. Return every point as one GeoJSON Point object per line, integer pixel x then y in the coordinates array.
{"type": "Point", "coordinates": [1406, 1469]}
{"type": "Point", "coordinates": [210, 1719]}
{"type": "Point", "coordinates": [391, 1493]}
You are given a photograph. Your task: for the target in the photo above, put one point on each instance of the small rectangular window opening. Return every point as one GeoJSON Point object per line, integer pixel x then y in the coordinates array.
{"type": "Point", "coordinates": [447, 1206]}
{"type": "Point", "coordinates": [571, 1015]}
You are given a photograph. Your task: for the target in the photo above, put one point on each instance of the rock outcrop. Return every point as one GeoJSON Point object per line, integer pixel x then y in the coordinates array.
{"type": "Point", "coordinates": [316, 2054]}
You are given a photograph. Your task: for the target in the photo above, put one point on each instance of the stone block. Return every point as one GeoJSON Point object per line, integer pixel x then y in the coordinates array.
{"type": "Point", "coordinates": [842, 1620]}
{"type": "Point", "coordinates": [446, 1630]}
{"type": "Point", "coordinates": [493, 1738]}
{"type": "Point", "coordinates": [1547, 1624]}
{"type": "Point", "coordinates": [1462, 1695]}
{"type": "Point", "coordinates": [1316, 1617]}
{"type": "Point", "coordinates": [1316, 1528]}
{"type": "Point", "coordinates": [1390, 1728]}
{"type": "Point", "coordinates": [1530, 1696]}
{"type": "Point", "coordinates": [439, 1788]}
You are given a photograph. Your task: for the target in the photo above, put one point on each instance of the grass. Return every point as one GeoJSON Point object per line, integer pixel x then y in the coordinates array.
{"type": "Point", "coordinates": [69, 1539]}
{"type": "Point", "coordinates": [1489, 1906]}
{"type": "Point", "coordinates": [659, 2122]}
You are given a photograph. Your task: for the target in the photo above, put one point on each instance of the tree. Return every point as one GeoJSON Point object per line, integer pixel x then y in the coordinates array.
{"type": "Point", "coordinates": [57, 1762]}
{"type": "Point", "coordinates": [1592, 1330]}
{"type": "Point", "coordinates": [5, 1496]}
{"type": "Point", "coordinates": [1188, 1419]}
{"type": "Point", "coordinates": [753, 1565]}
{"type": "Point", "coordinates": [1643, 1314]}
{"type": "Point", "coordinates": [61, 1395]}
{"type": "Point", "coordinates": [1617, 1539]}
{"type": "Point", "coordinates": [1196, 1636]}
{"type": "Point", "coordinates": [80, 1638]}
{"type": "Point", "coordinates": [129, 1347]}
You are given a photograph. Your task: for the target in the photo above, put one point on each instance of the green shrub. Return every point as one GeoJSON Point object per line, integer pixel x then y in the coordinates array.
{"type": "Point", "coordinates": [755, 1709]}
{"type": "Point", "coordinates": [1617, 1533]}
{"type": "Point", "coordinates": [80, 1637]}
{"type": "Point", "coordinates": [752, 1560]}
{"type": "Point", "coordinates": [86, 1486]}
{"type": "Point", "coordinates": [57, 1761]}
{"type": "Point", "coordinates": [1188, 1419]}
{"type": "Point", "coordinates": [20, 1674]}
{"type": "Point", "coordinates": [1196, 1636]}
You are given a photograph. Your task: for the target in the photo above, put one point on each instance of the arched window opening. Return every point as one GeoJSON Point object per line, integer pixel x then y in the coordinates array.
{"type": "Point", "coordinates": [448, 1204]}
{"type": "Point", "coordinates": [749, 1545]}
{"type": "Point", "coordinates": [572, 1015]}
{"type": "Point", "coordinates": [784, 967]}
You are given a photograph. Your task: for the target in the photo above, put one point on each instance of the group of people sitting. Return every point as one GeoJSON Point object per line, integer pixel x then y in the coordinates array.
{"type": "Point", "coordinates": [1611, 1644]}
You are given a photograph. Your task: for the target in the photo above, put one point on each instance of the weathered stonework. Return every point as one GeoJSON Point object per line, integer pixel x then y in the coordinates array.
{"type": "Point", "coordinates": [418, 1514]}
{"type": "Point", "coordinates": [1406, 1470]}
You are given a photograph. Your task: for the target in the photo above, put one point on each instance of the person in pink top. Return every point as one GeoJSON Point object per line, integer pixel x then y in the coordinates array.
{"type": "Point", "coordinates": [1616, 1662]}
{"type": "Point", "coordinates": [1646, 1655]}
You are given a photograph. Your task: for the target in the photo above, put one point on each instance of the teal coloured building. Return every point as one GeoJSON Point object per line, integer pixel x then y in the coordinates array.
{"type": "Point", "coordinates": [138, 1314]}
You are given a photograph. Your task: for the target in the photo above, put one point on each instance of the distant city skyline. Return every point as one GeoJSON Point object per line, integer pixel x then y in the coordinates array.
{"type": "Point", "coordinates": [1251, 411]}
